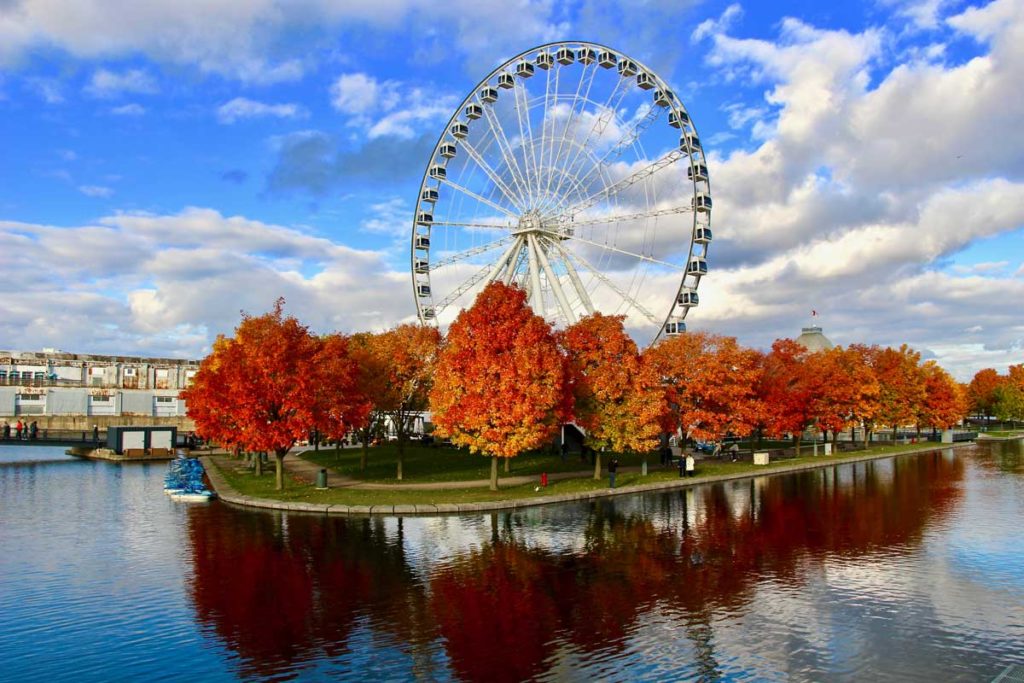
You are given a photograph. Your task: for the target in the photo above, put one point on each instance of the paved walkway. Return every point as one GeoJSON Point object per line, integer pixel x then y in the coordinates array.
{"type": "Point", "coordinates": [307, 471]}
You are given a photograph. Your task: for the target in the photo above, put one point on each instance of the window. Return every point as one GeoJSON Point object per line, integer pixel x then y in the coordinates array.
{"type": "Point", "coordinates": [164, 399]}
{"type": "Point", "coordinates": [162, 373]}
{"type": "Point", "coordinates": [95, 370]}
{"type": "Point", "coordinates": [30, 397]}
{"type": "Point", "coordinates": [129, 372]}
{"type": "Point", "coordinates": [40, 375]}
{"type": "Point", "coordinates": [102, 399]}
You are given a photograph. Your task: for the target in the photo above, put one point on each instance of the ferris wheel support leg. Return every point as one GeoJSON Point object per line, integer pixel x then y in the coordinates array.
{"type": "Point", "coordinates": [501, 263]}
{"type": "Point", "coordinates": [556, 286]}
{"type": "Point", "coordinates": [536, 295]}
{"type": "Point", "coordinates": [574, 277]}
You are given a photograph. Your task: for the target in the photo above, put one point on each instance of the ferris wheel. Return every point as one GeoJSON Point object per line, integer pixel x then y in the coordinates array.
{"type": "Point", "coordinates": [574, 172]}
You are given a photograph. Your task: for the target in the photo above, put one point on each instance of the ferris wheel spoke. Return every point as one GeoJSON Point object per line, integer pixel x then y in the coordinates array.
{"type": "Point", "coordinates": [572, 114]}
{"type": "Point", "coordinates": [574, 277]}
{"type": "Point", "coordinates": [634, 133]}
{"type": "Point", "coordinates": [463, 255]}
{"type": "Point", "coordinates": [626, 252]}
{"type": "Point", "coordinates": [604, 116]}
{"type": "Point", "coordinates": [480, 198]}
{"type": "Point", "coordinates": [627, 182]}
{"type": "Point", "coordinates": [510, 195]}
{"type": "Point", "coordinates": [454, 224]}
{"type": "Point", "coordinates": [553, 281]}
{"type": "Point", "coordinates": [508, 156]}
{"type": "Point", "coordinates": [459, 291]}
{"type": "Point", "coordinates": [525, 131]}
{"type": "Point", "coordinates": [585, 264]}
{"type": "Point", "coordinates": [622, 218]}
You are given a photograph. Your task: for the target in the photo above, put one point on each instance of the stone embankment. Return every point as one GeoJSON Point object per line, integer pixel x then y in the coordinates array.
{"type": "Point", "coordinates": [228, 494]}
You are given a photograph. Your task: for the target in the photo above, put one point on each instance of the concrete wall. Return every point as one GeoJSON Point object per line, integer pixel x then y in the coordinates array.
{"type": "Point", "coordinates": [67, 402]}
{"type": "Point", "coordinates": [7, 395]}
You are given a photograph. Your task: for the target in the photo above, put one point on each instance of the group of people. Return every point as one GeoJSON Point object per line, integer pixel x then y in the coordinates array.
{"type": "Point", "coordinates": [23, 431]}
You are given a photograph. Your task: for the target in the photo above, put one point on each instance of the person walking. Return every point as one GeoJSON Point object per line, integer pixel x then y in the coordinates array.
{"type": "Point", "coordinates": [613, 467]}
{"type": "Point", "coordinates": [691, 466]}
{"type": "Point", "coordinates": [565, 450]}
{"type": "Point", "coordinates": [17, 429]}
{"type": "Point", "coordinates": [7, 430]}
{"type": "Point", "coordinates": [96, 436]}
{"type": "Point", "coordinates": [33, 430]}
{"type": "Point", "coordinates": [682, 465]}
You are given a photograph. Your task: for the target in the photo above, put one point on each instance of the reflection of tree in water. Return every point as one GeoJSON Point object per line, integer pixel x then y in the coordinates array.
{"type": "Point", "coordinates": [283, 591]}
{"type": "Point", "coordinates": [505, 610]}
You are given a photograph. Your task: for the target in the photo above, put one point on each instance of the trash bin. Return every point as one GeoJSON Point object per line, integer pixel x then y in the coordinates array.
{"type": "Point", "coordinates": [321, 479]}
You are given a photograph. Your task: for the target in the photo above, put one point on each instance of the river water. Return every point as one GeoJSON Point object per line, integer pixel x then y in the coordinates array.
{"type": "Point", "coordinates": [906, 568]}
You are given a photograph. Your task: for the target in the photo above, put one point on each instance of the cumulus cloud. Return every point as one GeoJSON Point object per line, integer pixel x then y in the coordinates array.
{"type": "Point", "coordinates": [389, 108]}
{"type": "Point", "coordinates": [95, 191]}
{"type": "Point", "coordinates": [131, 109]}
{"type": "Point", "coordinates": [865, 184]}
{"type": "Point", "coordinates": [244, 108]}
{"type": "Point", "coordinates": [157, 283]}
{"type": "Point", "coordinates": [105, 83]}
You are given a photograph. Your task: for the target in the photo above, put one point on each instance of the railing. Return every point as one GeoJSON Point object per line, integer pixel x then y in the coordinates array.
{"type": "Point", "coordinates": [55, 436]}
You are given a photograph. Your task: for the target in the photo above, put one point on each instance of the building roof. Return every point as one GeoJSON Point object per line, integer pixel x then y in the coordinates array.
{"type": "Point", "coordinates": [812, 339]}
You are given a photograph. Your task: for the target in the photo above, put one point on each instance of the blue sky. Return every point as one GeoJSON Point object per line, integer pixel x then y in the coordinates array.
{"type": "Point", "coordinates": [165, 164]}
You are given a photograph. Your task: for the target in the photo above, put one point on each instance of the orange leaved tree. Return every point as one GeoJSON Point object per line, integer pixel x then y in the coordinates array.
{"type": "Point", "coordinates": [901, 386]}
{"type": "Point", "coordinates": [710, 384]}
{"type": "Point", "coordinates": [500, 384]}
{"type": "Point", "coordinates": [403, 358]}
{"type": "Point", "coordinates": [944, 403]}
{"type": "Point", "coordinates": [786, 387]}
{"type": "Point", "coordinates": [982, 392]}
{"type": "Point", "coordinates": [618, 400]}
{"type": "Point", "coordinates": [846, 390]}
{"type": "Point", "coordinates": [276, 381]}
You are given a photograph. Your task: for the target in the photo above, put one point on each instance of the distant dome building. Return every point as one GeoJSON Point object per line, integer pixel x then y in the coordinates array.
{"type": "Point", "coordinates": [812, 339]}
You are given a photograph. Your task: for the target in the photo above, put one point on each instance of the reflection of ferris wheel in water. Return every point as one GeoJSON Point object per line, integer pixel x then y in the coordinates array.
{"type": "Point", "coordinates": [574, 172]}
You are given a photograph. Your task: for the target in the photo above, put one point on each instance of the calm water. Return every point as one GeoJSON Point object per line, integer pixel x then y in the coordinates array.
{"type": "Point", "coordinates": [899, 569]}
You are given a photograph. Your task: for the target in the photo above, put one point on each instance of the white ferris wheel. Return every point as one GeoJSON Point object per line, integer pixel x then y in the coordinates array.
{"type": "Point", "coordinates": [574, 172]}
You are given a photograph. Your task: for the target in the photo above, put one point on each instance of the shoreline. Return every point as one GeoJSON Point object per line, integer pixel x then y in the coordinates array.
{"type": "Point", "coordinates": [228, 494]}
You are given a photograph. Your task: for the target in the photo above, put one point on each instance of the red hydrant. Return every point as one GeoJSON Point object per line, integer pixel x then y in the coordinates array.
{"type": "Point", "coordinates": [544, 479]}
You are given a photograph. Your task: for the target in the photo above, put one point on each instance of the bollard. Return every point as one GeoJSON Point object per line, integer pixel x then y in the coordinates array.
{"type": "Point", "coordinates": [544, 479]}
{"type": "Point", "coordinates": [321, 479]}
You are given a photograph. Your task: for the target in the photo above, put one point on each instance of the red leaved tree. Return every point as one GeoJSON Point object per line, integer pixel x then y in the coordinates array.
{"type": "Point", "coordinates": [618, 400]}
{"type": "Point", "coordinates": [901, 385]}
{"type": "Point", "coordinates": [500, 383]}
{"type": "Point", "coordinates": [983, 391]}
{"type": "Point", "coordinates": [847, 390]}
{"type": "Point", "coordinates": [402, 360]}
{"type": "Point", "coordinates": [787, 386]}
{"type": "Point", "coordinates": [276, 381]}
{"type": "Point", "coordinates": [944, 403]}
{"type": "Point", "coordinates": [710, 384]}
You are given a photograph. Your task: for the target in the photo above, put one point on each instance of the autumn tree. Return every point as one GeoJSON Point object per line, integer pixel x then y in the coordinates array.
{"type": "Point", "coordinates": [371, 378]}
{"type": "Point", "coordinates": [500, 383]}
{"type": "Point", "coordinates": [944, 404]}
{"type": "Point", "coordinates": [847, 390]}
{"type": "Point", "coordinates": [710, 384]}
{"type": "Point", "coordinates": [1009, 403]}
{"type": "Point", "coordinates": [401, 362]}
{"type": "Point", "coordinates": [618, 400]}
{"type": "Point", "coordinates": [981, 392]}
{"type": "Point", "coordinates": [276, 381]}
{"type": "Point", "coordinates": [901, 387]}
{"type": "Point", "coordinates": [786, 388]}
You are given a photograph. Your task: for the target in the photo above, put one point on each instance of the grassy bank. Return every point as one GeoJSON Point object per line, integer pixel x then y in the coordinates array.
{"type": "Point", "coordinates": [297, 491]}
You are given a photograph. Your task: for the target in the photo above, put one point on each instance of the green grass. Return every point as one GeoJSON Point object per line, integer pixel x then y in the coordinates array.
{"type": "Point", "coordinates": [298, 491]}
{"type": "Point", "coordinates": [1007, 432]}
{"type": "Point", "coordinates": [424, 464]}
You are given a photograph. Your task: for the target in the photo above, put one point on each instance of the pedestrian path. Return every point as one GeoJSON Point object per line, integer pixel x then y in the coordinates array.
{"type": "Point", "coordinates": [304, 470]}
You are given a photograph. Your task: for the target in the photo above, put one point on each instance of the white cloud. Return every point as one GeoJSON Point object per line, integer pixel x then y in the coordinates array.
{"type": "Point", "coordinates": [391, 218]}
{"type": "Point", "coordinates": [48, 89]}
{"type": "Point", "coordinates": [109, 84]}
{"type": "Point", "coordinates": [131, 109]}
{"type": "Point", "coordinates": [389, 108]}
{"type": "Point", "coordinates": [169, 283]}
{"type": "Point", "coordinates": [244, 108]}
{"type": "Point", "coordinates": [95, 191]}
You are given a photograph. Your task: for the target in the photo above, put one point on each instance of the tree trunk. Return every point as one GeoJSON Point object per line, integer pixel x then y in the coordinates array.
{"type": "Point", "coordinates": [508, 465]}
{"type": "Point", "coordinates": [835, 442]}
{"type": "Point", "coordinates": [895, 434]}
{"type": "Point", "coordinates": [797, 438]}
{"type": "Point", "coordinates": [401, 461]}
{"type": "Point", "coordinates": [280, 468]}
{"type": "Point", "coordinates": [259, 465]}
{"type": "Point", "coordinates": [494, 473]}
{"type": "Point", "coordinates": [867, 436]}
{"type": "Point", "coordinates": [597, 465]}
{"type": "Point", "coordinates": [366, 451]}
